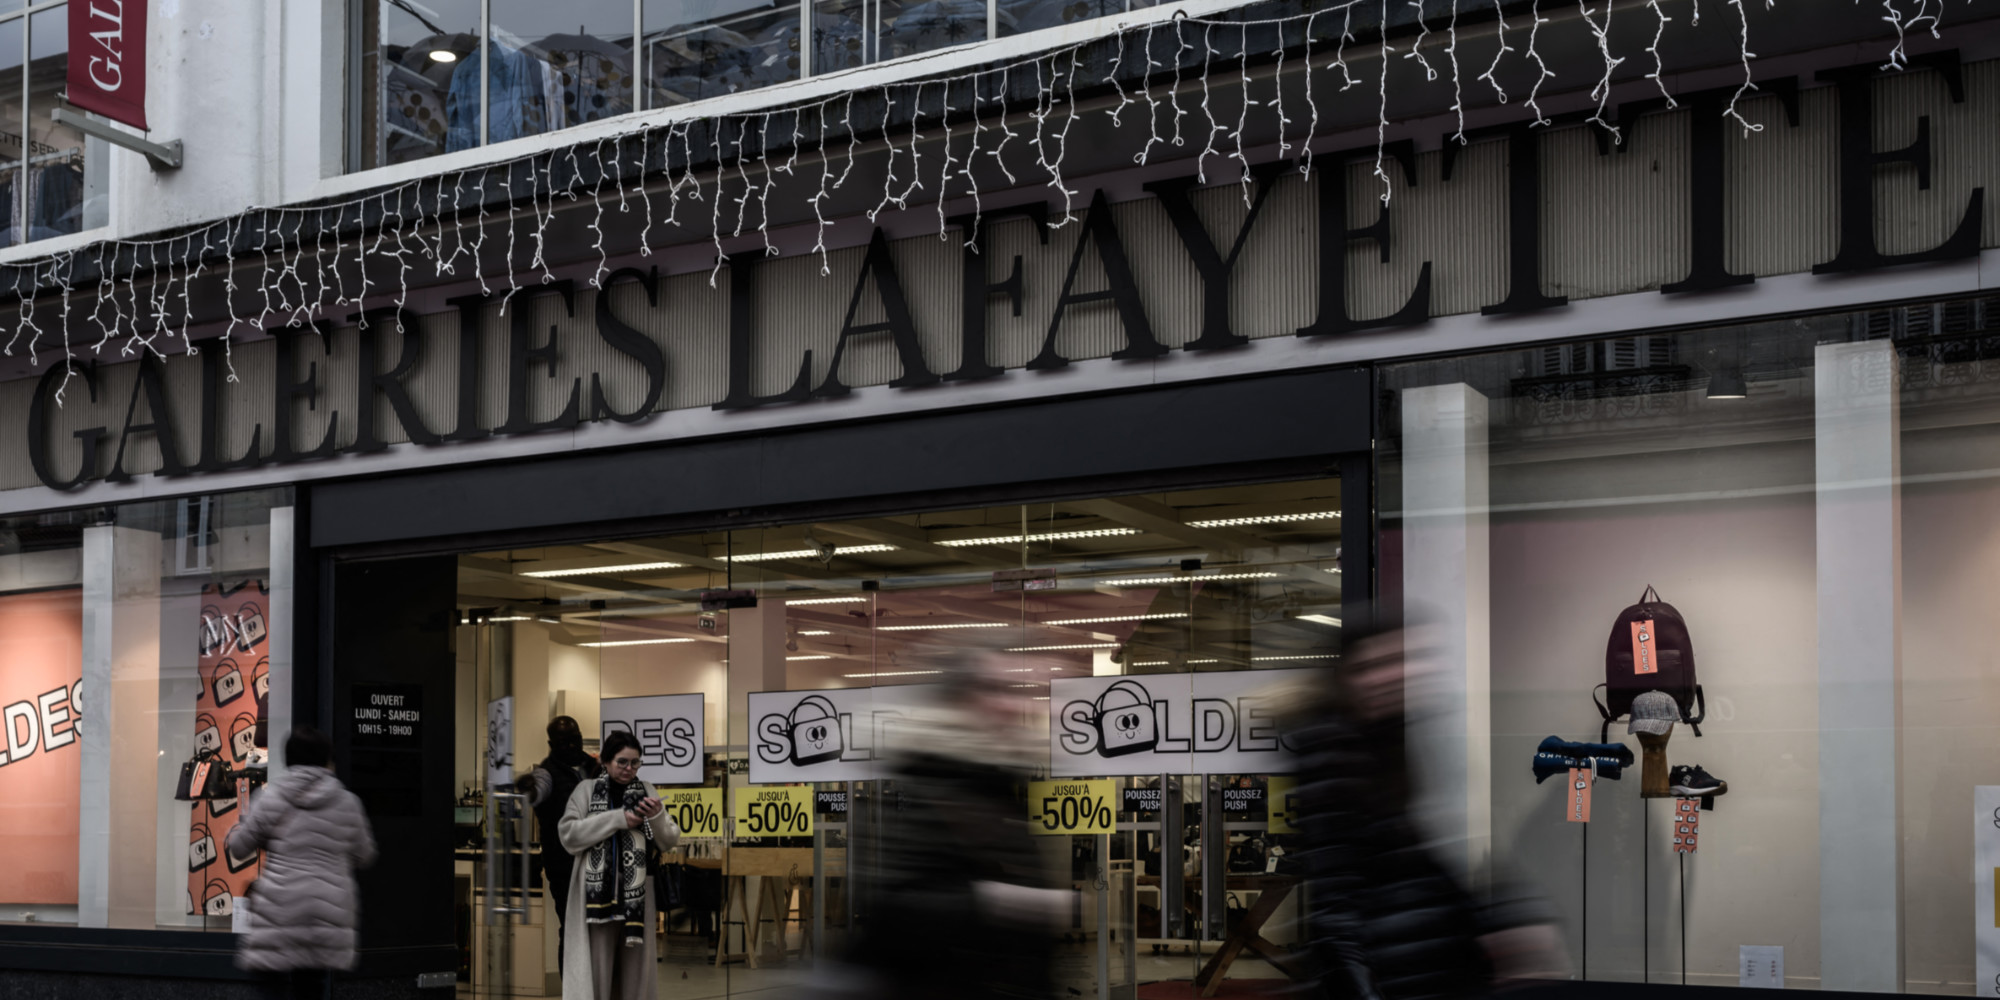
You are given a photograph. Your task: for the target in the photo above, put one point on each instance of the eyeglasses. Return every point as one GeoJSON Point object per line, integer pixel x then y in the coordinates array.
{"type": "Point", "coordinates": [628, 763]}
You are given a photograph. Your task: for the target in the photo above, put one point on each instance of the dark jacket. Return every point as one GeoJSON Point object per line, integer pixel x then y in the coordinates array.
{"type": "Point", "coordinates": [948, 824]}
{"type": "Point", "coordinates": [1386, 918]}
{"type": "Point", "coordinates": [304, 907]}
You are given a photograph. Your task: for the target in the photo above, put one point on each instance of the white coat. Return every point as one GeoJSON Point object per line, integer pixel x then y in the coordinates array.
{"type": "Point", "coordinates": [580, 831]}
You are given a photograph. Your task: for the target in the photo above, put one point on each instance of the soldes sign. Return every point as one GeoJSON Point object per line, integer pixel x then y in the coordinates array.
{"type": "Point", "coordinates": [1208, 723]}
{"type": "Point", "coordinates": [831, 735]}
{"type": "Point", "coordinates": [669, 730]}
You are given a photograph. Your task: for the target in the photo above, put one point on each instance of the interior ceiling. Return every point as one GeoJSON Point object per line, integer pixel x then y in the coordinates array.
{"type": "Point", "coordinates": [881, 587]}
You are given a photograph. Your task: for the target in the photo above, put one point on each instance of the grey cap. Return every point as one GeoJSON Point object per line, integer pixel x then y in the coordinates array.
{"type": "Point", "coordinates": [1654, 712]}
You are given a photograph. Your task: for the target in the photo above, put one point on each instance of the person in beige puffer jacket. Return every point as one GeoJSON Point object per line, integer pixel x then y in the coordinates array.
{"type": "Point", "coordinates": [314, 833]}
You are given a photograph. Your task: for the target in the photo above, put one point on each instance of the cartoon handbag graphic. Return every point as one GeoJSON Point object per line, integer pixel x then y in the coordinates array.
{"type": "Point", "coordinates": [237, 862]}
{"type": "Point", "coordinates": [215, 899]}
{"type": "Point", "coordinates": [815, 734]}
{"type": "Point", "coordinates": [201, 847]}
{"type": "Point", "coordinates": [1125, 719]}
{"type": "Point", "coordinates": [243, 736]}
{"type": "Point", "coordinates": [226, 683]}
{"type": "Point", "coordinates": [250, 627]}
{"type": "Point", "coordinates": [207, 735]}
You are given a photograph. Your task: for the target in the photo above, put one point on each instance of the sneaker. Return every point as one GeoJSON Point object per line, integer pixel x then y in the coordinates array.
{"type": "Point", "coordinates": [1689, 781]}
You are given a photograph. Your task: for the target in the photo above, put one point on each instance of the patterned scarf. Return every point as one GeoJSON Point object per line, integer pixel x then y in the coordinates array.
{"type": "Point", "coordinates": [614, 871]}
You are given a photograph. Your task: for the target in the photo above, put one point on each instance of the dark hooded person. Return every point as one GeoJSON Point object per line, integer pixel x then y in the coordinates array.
{"type": "Point", "coordinates": [314, 834]}
{"type": "Point", "coordinates": [1387, 919]}
{"type": "Point", "coordinates": [548, 788]}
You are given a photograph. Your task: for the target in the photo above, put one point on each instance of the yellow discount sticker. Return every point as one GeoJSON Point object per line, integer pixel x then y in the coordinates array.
{"type": "Point", "coordinates": [774, 811]}
{"type": "Point", "coordinates": [1283, 805]}
{"type": "Point", "coordinates": [697, 811]}
{"type": "Point", "coordinates": [1066, 807]}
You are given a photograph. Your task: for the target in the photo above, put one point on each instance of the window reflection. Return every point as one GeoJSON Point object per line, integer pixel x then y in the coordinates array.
{"type": "Point", "coordinates": [422, 83]}
{"type": "Point", "coordinates": [544, 76]}
{"type": "Point", "coordinates": [697, 49]}
{"type": "Point", "coordinates": [14, 143]}
{"type": "Point", "coordinates": [56, 196]}
{"type": "Point", "coordinates": [1017, 16]}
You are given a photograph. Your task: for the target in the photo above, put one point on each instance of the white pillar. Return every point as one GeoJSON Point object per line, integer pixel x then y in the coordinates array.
{"type": "Point", "coordinates": [278, 711]}
{"type": "Point", "coordinates": [1860, 608]}
{"type": "Point", "coordinates": [116, 847]}
{"type": "Point", "coordinates": [756, 661]}
{"type": "Point", "coordinates": [1445, 589]}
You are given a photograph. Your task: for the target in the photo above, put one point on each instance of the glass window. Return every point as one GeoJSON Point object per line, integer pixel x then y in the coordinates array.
{"type": "Point", "coordinates": [422, 94]}
{"type": "Point", "coordinates": [553, 66]}
{"type": "Point", "coordinates": [177, 671]}
{"type": "Point", "coordinates": [63, 187]}
{"type": "Point", "coordinates": [697, 49]}
{"type": "Point", "coordinates": [14, 142]}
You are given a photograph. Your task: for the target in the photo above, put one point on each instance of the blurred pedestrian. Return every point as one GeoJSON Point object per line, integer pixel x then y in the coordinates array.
{"type": "Point", "coordinates": [965, 907]}
{"type": "Point", "coordinates": [616, 824]}
{"type": "Point", "coordinates": [305, 908]}
{"type": "Point", "coordinates": [549, 787]}
{"type": "Point", "coordinates": [1387, 919]}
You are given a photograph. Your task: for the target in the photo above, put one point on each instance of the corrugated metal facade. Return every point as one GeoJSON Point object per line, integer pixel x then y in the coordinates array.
{"type": "Point", "coordinates": [1611, 224]}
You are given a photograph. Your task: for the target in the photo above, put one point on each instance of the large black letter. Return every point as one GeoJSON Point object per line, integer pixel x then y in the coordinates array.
{"type": "Point", "coordinates": [743, 344]}
{"type": "Point", "coordinates": [1858, 161]}
{"type": "Point", "coordinates": [1524, 219]}
{"type": "Point", "coordinates": [212, 378]}
{"type": "Point", "coordinates": [522, 352]}
{"type": "Point", "coordinates": [151, 382]}
{"type": "Point", "coordinates": [38, 427]}
{"type": "Point", "coordinates": [291, 387]}
{"type": "Point", "coordinates": [370, 325]}
{"type": "Point", "coordinates": [470, 309]}
{"type": "Point", "coordinates": [975, 289]}
{"type": "Point", "coordinates": [899, 325]}
{"type": "Point", "coordinates": [1208, 261]}
{"type": "Point", "coordinates": [1099, 228]}
{"type": "Point", "coordinates": [1334, 237]}
{"type": "Point", "coordinates": [628, 341]}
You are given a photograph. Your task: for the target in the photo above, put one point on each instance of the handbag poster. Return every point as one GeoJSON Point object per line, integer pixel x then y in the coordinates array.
{"type": "Point", "coordinates": [41, 643]}
{"type": "Point", "coordinates": [234, 664]}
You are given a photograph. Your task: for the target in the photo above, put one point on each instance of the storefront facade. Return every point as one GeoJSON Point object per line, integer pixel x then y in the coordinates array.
{"type": "Point", "coordinates": [707, 417]}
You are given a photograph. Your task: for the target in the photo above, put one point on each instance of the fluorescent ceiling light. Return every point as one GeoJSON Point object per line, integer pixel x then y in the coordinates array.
{"type": "Point", "coordinates": [815, 631]}
{"type": "Point", "coordinates": [921, 628]}
{"type": "Point", "coordinates": [824, 600]}
{"type": "Point", "coordinates": [1117, 618]}
{"type": "Point", "coordinates": [601, 570]}
{"type": "Point", "coordinates": [1231, 522]}
{"type": "Point", "coordinates": [795, 659]}
{"type": "Point", "coordinates": [512, 618]}
{"type": "Point", "coordinates": [1151, 663]}
{"type": "Point", "coordinates": [1039, 697]}
{"type": "Point", "coordinates": [1335, 570]}
{"type": "Point", "coordinates": [633, 642]}
{"type": "Point", "coordinates": [1321, 619]}
{"type": "Point", "coordinates": [839, 550]}
{"type": "Point", "coordinates": [892, 673]}
{"type": "Point", "coordinates": [1079, 645]}
{"type": "Point", "coordinates": [1047, 536]}
{"type": "Point", "coordinates": [1158, 581]}
{"type": "Point", "coordinates": [1305, 656]}
{"type": "Point", "coordinates": [1205, 661]}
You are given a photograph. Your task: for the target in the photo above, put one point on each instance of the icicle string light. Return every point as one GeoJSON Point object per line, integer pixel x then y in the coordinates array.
{"type": "Point", "coordinates": [300, 257]}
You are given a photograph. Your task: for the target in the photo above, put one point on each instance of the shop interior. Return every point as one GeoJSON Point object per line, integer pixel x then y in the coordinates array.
{"type": "Point", "coordinates": [1233, 578]}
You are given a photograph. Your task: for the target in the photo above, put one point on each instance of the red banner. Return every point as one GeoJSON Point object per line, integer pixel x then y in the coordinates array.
{"type": "Point", "coordinates": [107, 59]}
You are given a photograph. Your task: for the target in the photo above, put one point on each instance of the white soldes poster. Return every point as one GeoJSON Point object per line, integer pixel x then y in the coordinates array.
{"type": "Point", "coordinates": [837, 734]}
{"type": "Point", "coordinates": [1201, 723]}
{"type": "Point", "coordinates": [500, 742]}
{"type": "Point", "coordinates": [1986, 888]}
{"type": "Point", "coordinates": [669, 730]}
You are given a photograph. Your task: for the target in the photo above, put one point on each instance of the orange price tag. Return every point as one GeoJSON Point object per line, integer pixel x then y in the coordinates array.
{"type": "Point", "coordinates": [1580, 780]}
{"type": "Point", "coordinates": [199, 780]}
{"type": "Point", "coordinates": [1643, 661]}
{"type": "Point", "coordinates": [1687, 825]}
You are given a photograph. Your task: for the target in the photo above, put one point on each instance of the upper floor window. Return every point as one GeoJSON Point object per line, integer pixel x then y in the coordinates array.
{"type": "Point", "coordinates": [52, 177]}
{"type": "Point", "coordinates": [437, 76]}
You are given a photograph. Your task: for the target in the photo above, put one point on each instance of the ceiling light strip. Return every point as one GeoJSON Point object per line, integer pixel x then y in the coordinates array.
{"type": "Point", "coordinates": [891, 673]}
{"type": "Point", "coordinates": [1118, 618]}
{"type": "Point", "coordinates": [1233, 522]}
{"type": "Point", "coordinates": [838, 550]}
{"type": "Point", "coordinates": [633, 642]}
{"type": "Point", "coordinates": [824, 600]}
{"type": "Point", "coordinates": [549, 574]}
{"type": "Point", "coordinates": [816, 656]}
{"type": "Point", "coordinates": [1049, 536]}
{"type": "Point", "coordinates": [941, 625]}
{"type": "Point", "coordinates": [1078, 645]}
{"type": "Point", "coordinates": [1161, 581]}
{"type": "Point", "coordinates": [1303, 656]}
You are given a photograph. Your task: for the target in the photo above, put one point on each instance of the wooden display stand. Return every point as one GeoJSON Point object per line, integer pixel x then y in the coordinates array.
{"type": "Point", "coordinates": [783, 892]}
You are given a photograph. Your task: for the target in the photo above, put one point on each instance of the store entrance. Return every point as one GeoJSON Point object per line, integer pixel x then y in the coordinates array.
{"type": "Point", "coordinates": [767, 672]}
